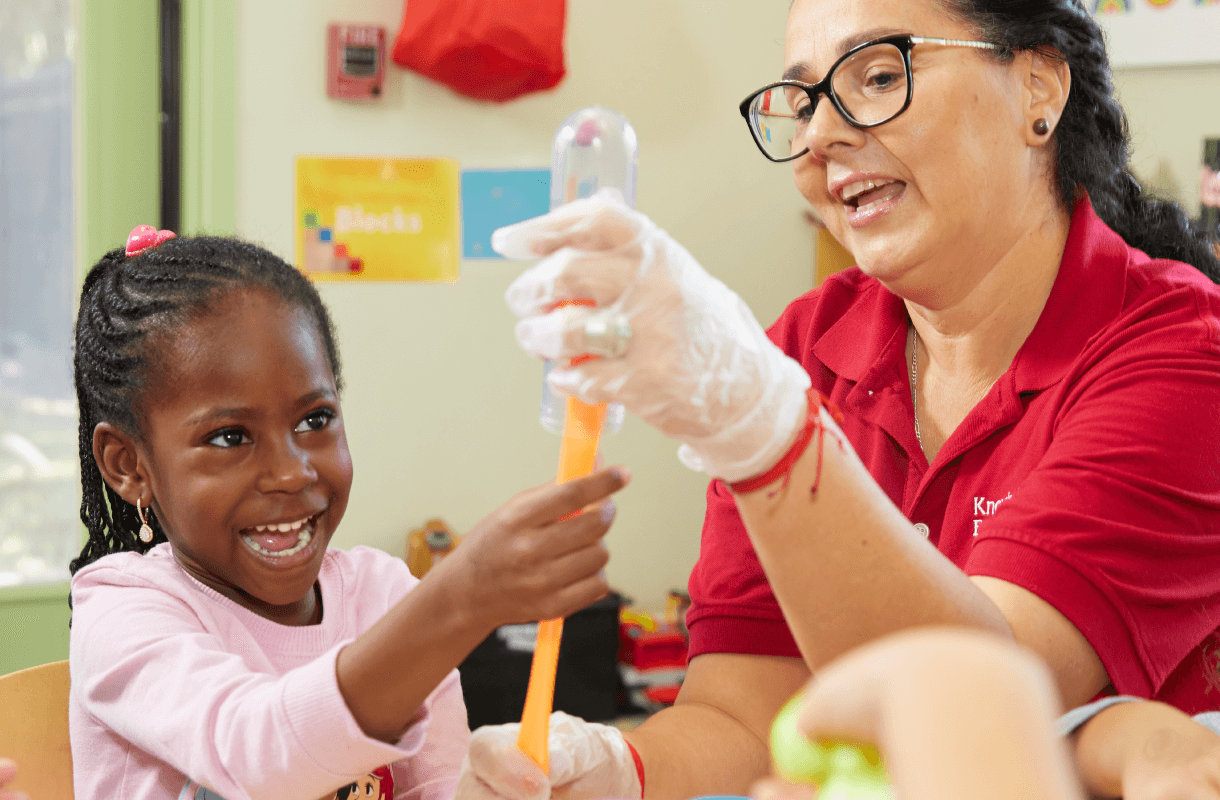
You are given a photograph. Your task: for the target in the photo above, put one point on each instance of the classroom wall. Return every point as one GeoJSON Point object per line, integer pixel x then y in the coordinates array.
{"type": "Point", "coordinates": [440, 405]}
{"type": "Point", "coordinates": [1171, 110]}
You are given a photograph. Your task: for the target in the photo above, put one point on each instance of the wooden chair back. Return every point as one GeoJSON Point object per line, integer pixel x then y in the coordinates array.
{"type": "Point", "coordinates": [34, 730]}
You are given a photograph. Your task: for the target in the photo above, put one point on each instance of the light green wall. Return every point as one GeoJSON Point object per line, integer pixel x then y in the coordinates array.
{"type": "Point", "coordinates": [119, 100]}
{"type": "Point", "coordinates": [209, 122]}
{"type": "Point", "coordinates": [33, 626]}
{"type": "Point", "coordinates": [120, 161]}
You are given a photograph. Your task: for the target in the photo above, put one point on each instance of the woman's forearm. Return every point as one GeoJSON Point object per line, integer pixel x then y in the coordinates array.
{"type": "Point", "coordinates": [694, 750]}
{"type": "Point", "coordinates": [1125, 740]}
{"type": "Point", "coordinates": [714, 740]}
{"type": "Point", "coordinates": [844, 563]}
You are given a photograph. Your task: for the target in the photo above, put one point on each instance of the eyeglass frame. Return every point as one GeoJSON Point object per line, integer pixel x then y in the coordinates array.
{"type": "Point", "coordinates": [904, 43]}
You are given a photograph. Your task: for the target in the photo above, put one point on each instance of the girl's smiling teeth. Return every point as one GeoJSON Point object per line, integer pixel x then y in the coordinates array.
{"type": "Point", "coordinates": [282, 527]}
{"type": "Point", "coordinates": [280, 540]}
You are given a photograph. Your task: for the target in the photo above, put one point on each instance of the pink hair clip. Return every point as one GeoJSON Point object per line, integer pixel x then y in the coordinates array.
{"type": "Point", "coordinates": [145, 237]}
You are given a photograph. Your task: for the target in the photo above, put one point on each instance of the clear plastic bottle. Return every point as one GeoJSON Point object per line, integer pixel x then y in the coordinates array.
{"type": "Point", "coordinates": [595, 148]}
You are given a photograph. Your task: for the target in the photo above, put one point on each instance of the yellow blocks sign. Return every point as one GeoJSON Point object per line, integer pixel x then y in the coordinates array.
{"type": "Point", "coordinates": [378, 219]}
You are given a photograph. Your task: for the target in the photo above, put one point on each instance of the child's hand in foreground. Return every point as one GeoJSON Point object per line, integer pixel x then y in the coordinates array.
{"type": "Point", "coordinates": [8, 771]}
{"type": "Point", "coordinates": [957, 715]}
{"type": "Point", "coordinates": [1148, 751]}
{"type": "Point", "coordinates": [525, 561]}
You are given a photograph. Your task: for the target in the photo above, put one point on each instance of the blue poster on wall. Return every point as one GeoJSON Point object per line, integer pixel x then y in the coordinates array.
{"type": "Point", "coordinates": [493, 198]}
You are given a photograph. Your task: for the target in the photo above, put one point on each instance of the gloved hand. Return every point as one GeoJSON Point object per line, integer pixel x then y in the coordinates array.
{"type": "Point", "coordinates": [588, 761]}
{"type": "Point", "coordinates": [697, 365]}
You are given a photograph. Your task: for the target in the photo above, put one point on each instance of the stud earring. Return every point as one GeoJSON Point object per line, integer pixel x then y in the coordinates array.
{"type": "Point", "coordinates": [146, 531]}
{"type": "Point", "coordinates": [1042, 127]}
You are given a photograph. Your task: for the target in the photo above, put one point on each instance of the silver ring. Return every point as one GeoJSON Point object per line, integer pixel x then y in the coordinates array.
{"type": "Point", "coordinates": [608, 336]}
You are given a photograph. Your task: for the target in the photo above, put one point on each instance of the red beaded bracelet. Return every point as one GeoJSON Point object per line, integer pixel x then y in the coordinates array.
{"type": "Point", "coordinates": [639, 765]}
{"type": "Point", "coordinates": [783, 468]}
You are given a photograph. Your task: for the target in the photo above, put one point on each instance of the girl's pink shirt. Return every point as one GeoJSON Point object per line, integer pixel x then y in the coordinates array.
{"type": "Point", "coordinates": [176, 687]}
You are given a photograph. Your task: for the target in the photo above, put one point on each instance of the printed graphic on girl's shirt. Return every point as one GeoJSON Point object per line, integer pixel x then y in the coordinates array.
{"type": "Point", "coordinates": [377, 785]}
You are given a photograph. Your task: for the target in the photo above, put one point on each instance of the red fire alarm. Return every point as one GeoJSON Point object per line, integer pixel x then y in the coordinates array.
{"type": "Point", "coordinates": [355, 56]}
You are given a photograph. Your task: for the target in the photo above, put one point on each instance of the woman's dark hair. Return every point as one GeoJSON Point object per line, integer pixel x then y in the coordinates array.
{"type": "Point", "coordinates": [1091, 139]}
{"type": "Point", "coordinates": [129, 307]}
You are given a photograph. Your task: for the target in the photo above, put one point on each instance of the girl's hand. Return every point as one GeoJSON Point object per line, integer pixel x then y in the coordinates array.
{"type": "Point", "coordinates": [8, 771]}
{"type": "Point", "coordinates": [681, 350]}
{"type": "Point", "coordinates": [536, 557]}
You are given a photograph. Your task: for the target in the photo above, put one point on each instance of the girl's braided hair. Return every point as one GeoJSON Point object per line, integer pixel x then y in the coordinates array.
{"type": "Point", "coordinates": [128, 308]}
{"type": "Point", "coordinates": [1091, 141]}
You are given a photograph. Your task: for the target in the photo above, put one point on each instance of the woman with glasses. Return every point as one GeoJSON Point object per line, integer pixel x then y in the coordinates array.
{"type": "Point", "coordinates": [1005, 419]}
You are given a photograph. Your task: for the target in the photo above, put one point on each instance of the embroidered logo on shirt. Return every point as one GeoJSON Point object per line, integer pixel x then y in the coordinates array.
{"type": "Point", "coordinates": [984, 508]}
{"type": "Point", "coordinates": [1211, 664]}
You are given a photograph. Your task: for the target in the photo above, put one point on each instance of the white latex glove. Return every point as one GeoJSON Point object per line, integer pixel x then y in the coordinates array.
{"type": "Point", "coordinates": [697, 366]}
{"type": "Point", "coordinates": [588, 761]}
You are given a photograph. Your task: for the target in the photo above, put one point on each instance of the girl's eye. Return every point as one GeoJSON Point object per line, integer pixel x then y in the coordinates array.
{"type": "Point", "coordinates": [316, 420]}
{"type": "Point", "coordinates": [229, 437]}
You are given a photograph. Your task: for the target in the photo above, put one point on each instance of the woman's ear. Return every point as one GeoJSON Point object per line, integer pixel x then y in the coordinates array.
{"type": "Point", "coordinates": [1048, 81]}
{"type": "Point", "coordinates": [121, 463]}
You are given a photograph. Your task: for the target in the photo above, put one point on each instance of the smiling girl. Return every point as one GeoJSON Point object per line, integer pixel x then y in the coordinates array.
{"type": "Point", "coordinates": [218, 646]}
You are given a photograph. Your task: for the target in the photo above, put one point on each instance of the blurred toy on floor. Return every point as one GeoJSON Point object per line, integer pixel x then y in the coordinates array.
{"type": "Point", "coordinates": [652, 654]}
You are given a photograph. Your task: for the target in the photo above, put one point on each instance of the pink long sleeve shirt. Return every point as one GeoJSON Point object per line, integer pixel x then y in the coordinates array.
{"type": "Point", "coordinates": [178, 692]}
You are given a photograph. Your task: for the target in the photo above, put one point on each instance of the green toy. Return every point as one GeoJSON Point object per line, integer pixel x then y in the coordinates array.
{"type": "Point", "coordinates": [842, 771]}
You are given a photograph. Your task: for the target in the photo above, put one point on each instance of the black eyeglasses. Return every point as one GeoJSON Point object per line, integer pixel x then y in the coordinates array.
{"type": "Point", "coordinates": [869, 86]}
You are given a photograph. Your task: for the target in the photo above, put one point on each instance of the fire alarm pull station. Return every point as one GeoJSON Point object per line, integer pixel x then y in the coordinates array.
{"type": "Point", "coordinates": [355, 61]}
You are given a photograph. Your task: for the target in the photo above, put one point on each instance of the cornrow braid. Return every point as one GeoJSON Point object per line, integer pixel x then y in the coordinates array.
{"type": "Point", "coordinates": [128, 308]}
{"type": "Point", "coordinates": [1091, 140]}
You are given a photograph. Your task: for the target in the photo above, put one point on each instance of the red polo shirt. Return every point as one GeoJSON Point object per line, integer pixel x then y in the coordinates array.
{"type": "Point", "coordinates": [1089, 474]}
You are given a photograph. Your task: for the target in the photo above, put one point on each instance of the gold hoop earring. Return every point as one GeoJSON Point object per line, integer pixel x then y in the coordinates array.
{"type": "Point", "coordinates": [146, 531]}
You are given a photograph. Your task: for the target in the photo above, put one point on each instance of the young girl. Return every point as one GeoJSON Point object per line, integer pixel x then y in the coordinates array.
{"type": "Point", "coordinates": [218, 648]}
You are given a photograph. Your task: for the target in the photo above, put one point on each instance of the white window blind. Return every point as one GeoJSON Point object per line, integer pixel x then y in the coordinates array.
{"type": "Point", "coordinates": [39, 487]}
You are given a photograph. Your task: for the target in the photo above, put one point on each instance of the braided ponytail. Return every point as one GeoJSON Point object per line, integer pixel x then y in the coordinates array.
{"type": "Point", "coordinates": [1092, 142]}
{"type": "Point", "coordinates": [128, 307]}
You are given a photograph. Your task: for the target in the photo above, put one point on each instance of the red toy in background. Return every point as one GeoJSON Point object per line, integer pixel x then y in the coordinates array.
{"type": "Point", "coordinates": [355, 61]}
{"type": "Point", "coordinates": [652, 653]}
{"type": "Point", "coordinates": [485, 49]}
{"type": "Point", "coordinates": [646, 644]}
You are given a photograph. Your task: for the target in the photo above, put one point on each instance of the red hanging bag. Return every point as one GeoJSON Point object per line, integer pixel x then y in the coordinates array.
{"type": "Point", "coordinates": [486, 49]}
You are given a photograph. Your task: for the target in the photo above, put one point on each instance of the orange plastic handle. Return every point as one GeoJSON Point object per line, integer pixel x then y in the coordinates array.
{"type": "Point", "coordinates": [582, 428]}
